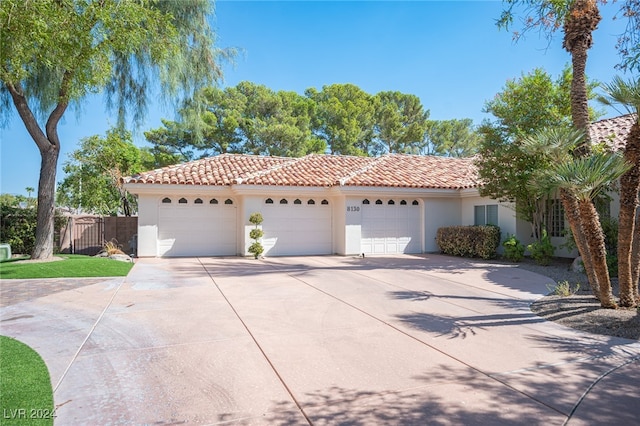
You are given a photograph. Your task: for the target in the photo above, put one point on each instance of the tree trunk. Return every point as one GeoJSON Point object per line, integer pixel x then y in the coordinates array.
{"type": "Point", "coordinates": [572, 211]}
{"type": "Point", "coordinates": [582, 20]}
{"type": "Point", "coordinates": [595, 241]}
{"type": "Point", "coordinates": [579, 98]}
{"type": "Point", "coordinates": [49, 146]}
{"type": "Point", "coordinates": [635, 258]}
{"type": "Point", "coordinates": [43, 248]}
{"type": "Point", "coordinates": [629, 187]}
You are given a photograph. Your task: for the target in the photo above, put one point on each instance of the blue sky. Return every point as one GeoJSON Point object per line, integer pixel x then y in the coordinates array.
{"type": "Point", "coordinates": [450, 54]}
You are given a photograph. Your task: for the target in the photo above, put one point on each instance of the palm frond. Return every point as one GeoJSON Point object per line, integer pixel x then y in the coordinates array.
{"type": "Point", "coordinates": [556, 143]}
{"type": "Point", "coordinates": [587, 177]}
{"type": "Point", "coordinates": [622, 92]}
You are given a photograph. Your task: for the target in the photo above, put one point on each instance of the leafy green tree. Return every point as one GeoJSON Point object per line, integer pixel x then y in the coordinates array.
{"type": "Point", "coordinates": [532, 102]}
{"type": "Point", "coordinates": [172, 141]}
{"type": "Point", "coordinates": [627, 94]}
{"type": "Point", "coordinates": [93, 173]}
{"type": "Point", "coordinates": [344, 118]}
{"type": "Point", "coordinates": [451, 138]}
{"type": "Point", "coordinates": [400, 122]}
{"type": "Point", "coordinates": [277, 123]}
{"type": "Point", "coordinates": [54, 53]}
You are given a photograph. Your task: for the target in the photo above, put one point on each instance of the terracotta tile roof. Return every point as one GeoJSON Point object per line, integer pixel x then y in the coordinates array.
{"type": "Point", "coordinates": [311, 170]}
{"type": "Point", "coordinates": [415, 171]}
{"type": "Point", "coordinates": [612, 131]}
{"type": "Point", "coordinates": [392, 170]}
{"type": "Point", "coordinates": [223, 169]}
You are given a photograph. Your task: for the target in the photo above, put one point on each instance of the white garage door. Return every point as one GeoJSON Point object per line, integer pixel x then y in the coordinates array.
{"type": "Point", "coordinates": [296, 226]}
{"type": "Point", "coordinates": [196, 227]}
{"type": "Point", "coordinates": [391, 226]}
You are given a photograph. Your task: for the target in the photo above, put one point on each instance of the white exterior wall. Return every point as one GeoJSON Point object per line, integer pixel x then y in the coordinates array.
{"type": "Point", "coordinates": [148, 225]}
{"type": "Point", "coordinates": [439, 212]}
{"type": "Point", "coordinates": [353, 225]}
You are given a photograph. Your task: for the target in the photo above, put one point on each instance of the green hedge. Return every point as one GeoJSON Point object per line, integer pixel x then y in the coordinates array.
{"type": "Point", "coordinates": [469, 241]}
{"type": "Point", "coordinates": [18, 228]}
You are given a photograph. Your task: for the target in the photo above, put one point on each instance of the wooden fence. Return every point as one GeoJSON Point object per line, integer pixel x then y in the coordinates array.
{"type": "Point", "coordinates": [88, 234]}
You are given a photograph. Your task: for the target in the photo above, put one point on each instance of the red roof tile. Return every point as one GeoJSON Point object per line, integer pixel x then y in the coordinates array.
{"type": "Point", "coordinates": [393, 170]}
{"type": "Point", "coordinates": [612, 131]}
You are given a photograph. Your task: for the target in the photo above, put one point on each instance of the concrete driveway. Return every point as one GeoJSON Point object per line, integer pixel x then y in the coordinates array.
{"type": "Point", "coordinates": [319, 340]}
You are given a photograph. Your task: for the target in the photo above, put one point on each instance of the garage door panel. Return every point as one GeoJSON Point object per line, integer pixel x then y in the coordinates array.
{"type": "Point", "coordinates": [197, 230]}
{"type": "Point", "coordinates": [390, 229]}
{"type": "Point", "coordinates": [297, 230]}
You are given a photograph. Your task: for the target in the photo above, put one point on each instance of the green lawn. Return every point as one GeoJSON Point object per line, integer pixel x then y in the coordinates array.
{"type": "Point", "coordinates": [26, 395]}
{"type": "Point", "coordinates": [72, 266]}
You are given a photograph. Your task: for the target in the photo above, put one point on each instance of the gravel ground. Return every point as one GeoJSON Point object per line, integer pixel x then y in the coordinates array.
{"type": "Point", "coordinates": [582, 310]}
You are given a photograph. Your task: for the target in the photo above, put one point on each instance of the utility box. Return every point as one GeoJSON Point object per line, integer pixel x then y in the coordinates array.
{"type": "Point", "coordinates": [5, 252]}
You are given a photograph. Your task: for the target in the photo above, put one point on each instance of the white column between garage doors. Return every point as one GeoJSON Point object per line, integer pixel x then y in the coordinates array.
{"type": "Point", "coordinates": [199, 226]}
{"type": "Point", "coordinates": [391, 226]}
{"type": "Point", "coordinates": [296, 226]}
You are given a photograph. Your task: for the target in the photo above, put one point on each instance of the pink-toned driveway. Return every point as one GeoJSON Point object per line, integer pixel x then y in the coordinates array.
{"type": "Point", "coordinates": [320, 340]}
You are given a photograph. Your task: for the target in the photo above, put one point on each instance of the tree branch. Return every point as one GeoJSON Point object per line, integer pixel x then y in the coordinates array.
{"type": "Point", "coordinates": [30, 122]}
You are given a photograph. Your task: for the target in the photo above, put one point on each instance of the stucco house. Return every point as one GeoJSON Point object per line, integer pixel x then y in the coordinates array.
{"type": "Point", "coordinates": [321, 204]}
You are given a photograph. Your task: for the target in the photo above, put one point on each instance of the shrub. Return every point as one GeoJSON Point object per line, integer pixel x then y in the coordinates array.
{"type": "Point", "coordinates": [469, 241]}
{"type": "Point", "coordinates": [18, 228]}
{"type": "Point", "coordinates": [542, 251]}
{"type": "Point", "coordinates": [112, 247]}
{"type": "Point", "coordinates": [612, 264]}
{"type": "Point", "coordinates": [255, 234]}
{"type": "Point", "coordinates": [513, 248]}
{"type": "Point", "coordinates": [563, 288]}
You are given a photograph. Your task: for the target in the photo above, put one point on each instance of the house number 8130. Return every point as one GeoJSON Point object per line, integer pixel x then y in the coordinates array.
{"type": "Point", "coordinates": [353, 208]}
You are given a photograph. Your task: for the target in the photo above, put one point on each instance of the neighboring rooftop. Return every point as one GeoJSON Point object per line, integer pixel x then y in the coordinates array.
{"type": "Point", "coordinates": [612, 131]}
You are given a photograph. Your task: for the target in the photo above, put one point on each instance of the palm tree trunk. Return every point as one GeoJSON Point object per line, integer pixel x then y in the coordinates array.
{"type": "Point", "coordinates": [571, 208]}
{"type": "Point", "coordinates": [629, 187]}
{"type": "Point", "coordinates": [595, 241]}
{"type": "Point", "coordinates": [635, 258]}
{"type": "Point", "coordinates": [582, 20]}
{"type": "Point", "coordinates": [579, 98]}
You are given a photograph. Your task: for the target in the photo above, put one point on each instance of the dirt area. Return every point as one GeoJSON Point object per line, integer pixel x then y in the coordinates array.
{"type": "Point", "coordinates": [582, 310]}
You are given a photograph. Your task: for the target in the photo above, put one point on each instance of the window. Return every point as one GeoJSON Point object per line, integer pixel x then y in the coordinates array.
{"type": "Point", "coordinates": [268, 201]}
{"type": "Point", "coordinates": [284, 201]}
{"type": "Point", "coordinates": [182, 201]}
{"type": "Point", "coordinates": [378, 202]}
{"type": "Point", "coordinates": [198, 201]}
{"type": "Point", "coordinates": [414, 203]}
{"type": "Point", "coordinates": [228, 201]}
{"type": "Point", "coordinates": [324, 202]}
{"type": "Point", "coordinates": [403, 203]}
{"type": "Point", "coordinates": [166, 200]}
{"type": "Point", "coordinates": [365, 201]}
{"type": "Point", "coordinates": [485, 215]}
{"type": "Point", "coordinates": [391, 202]}
{"type": "Point", "coordinates": [555, 218]}
{"type": "Point", "coordinates": [297, 201]}
{"type": "Point", "coordinates": [311, 202]}
{"type": "Point", "coordinates": [213, 201]}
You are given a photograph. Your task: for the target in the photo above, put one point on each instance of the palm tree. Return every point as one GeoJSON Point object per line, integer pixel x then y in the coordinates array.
{"type": "Point", "coordinates": [584, 179]}
{"type": "Point", "coordinates": [579, 181]}
{"type": "Point", "coordinates": [580, 22]}
{"type": "Point", "coordinates": [627, 94]}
